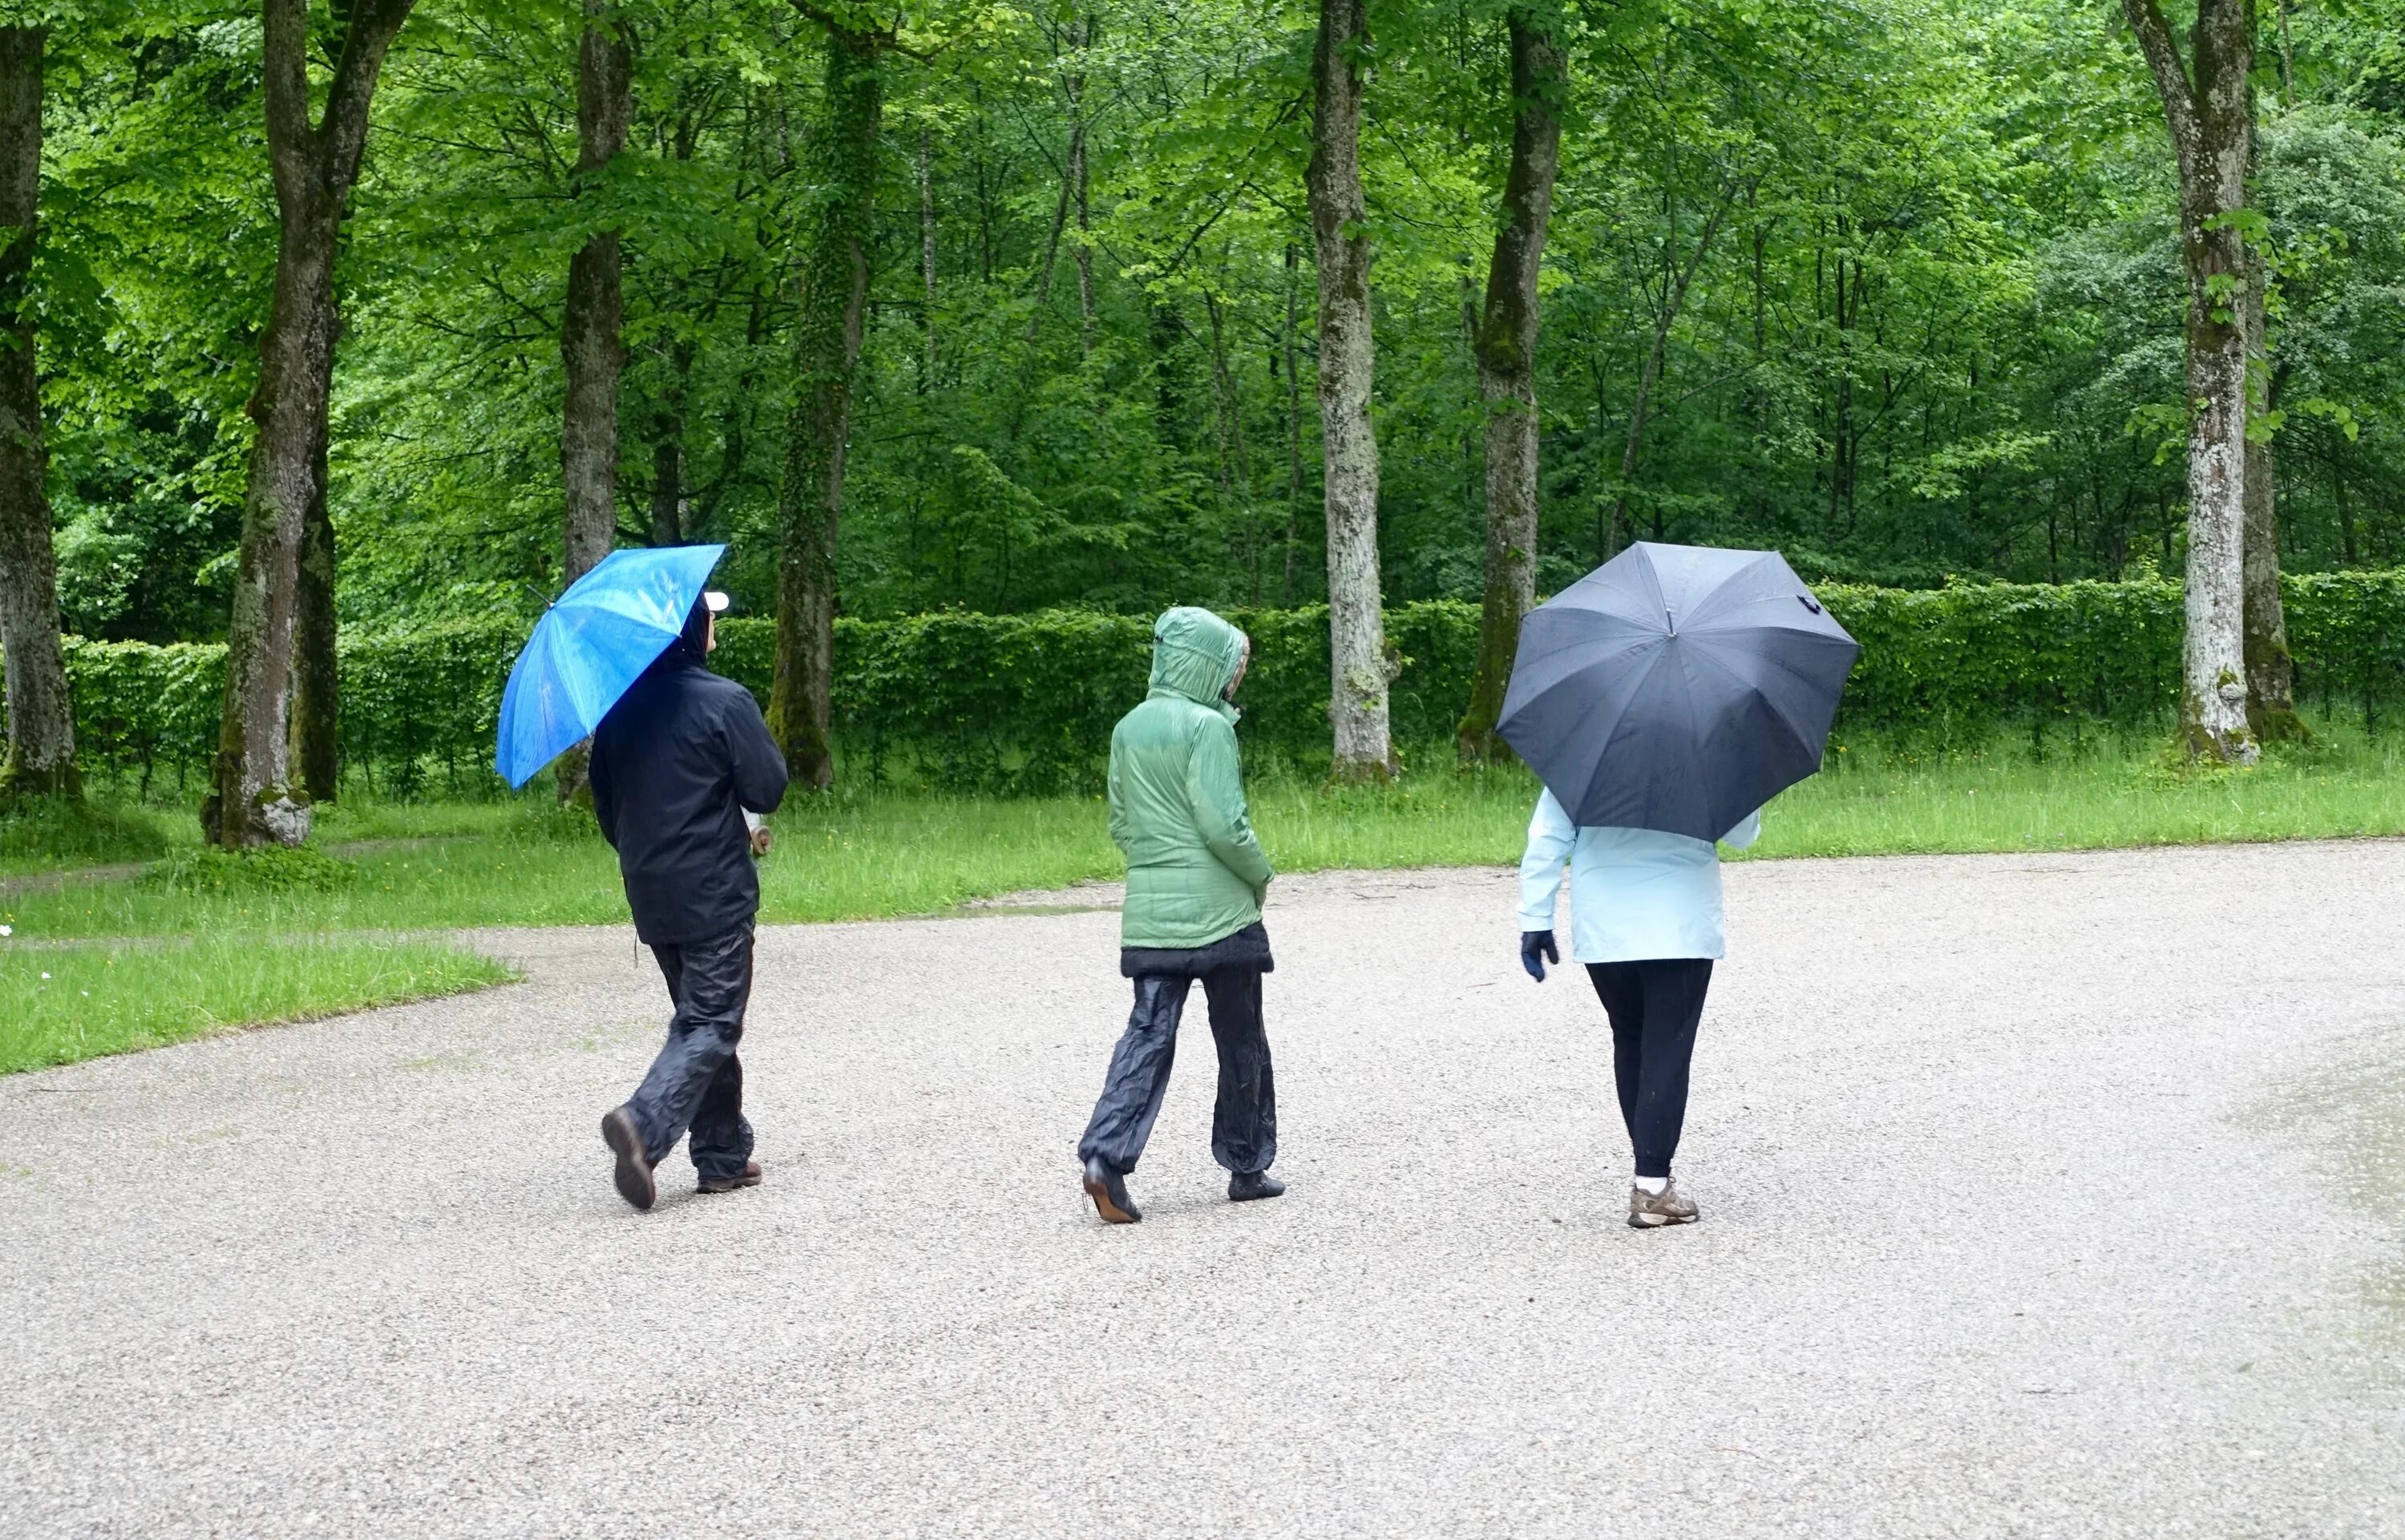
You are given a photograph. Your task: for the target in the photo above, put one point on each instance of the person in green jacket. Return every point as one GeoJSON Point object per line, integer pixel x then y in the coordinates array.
{"type": "Point", "coordinates": [1196, 879]}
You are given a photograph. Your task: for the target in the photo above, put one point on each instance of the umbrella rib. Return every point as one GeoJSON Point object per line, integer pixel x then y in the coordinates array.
{"type": "Point", "coordinates": [1706, 608]}
{"type": "Point", "coordinates": [1695, 737]}
{"type": "Point", "coordinates": [1781, 664]}
{"type": "Point", "coordinates": [1795, 728]}
{"type": "Point", "coordinates": [1605, 651]}
{"type": "Point", "coordinates": [1626, 699]}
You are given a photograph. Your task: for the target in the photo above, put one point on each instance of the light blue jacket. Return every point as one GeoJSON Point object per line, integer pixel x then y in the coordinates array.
{"type": "Point", "coordinates": [1636, 894]}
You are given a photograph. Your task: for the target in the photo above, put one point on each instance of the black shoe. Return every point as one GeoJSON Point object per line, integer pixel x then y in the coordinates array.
{"type": "Point", "coordinates": [1245, 1186]}
{"type": "Point", "coordinates": [1108, 1188]}
{"type": "Point", "coordinates": [634, 1174]}
{"type": "Point", "coordinates": [748, 1176]}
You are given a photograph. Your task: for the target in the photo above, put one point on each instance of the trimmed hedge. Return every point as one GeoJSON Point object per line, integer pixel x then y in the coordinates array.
{"type": "Point", "coordinates": [1023, 702]}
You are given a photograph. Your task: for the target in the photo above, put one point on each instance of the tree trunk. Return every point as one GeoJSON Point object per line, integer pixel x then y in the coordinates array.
{"type": "Point", "coordinates": [316, 686]}
{"type": "Point", "coordinates": [590, 345]}
{"type": "Point", "coordinates": [670, 508]}
{"type": "Point", "coordinates": [2270, 670]}
{"type": "Point", "coordinates": [667, 484]}
{"type": "Point", "coordinates": [834, 288]}
{"type": "Point", "coordinates": [313, 166]}
{"type": "Point", "coordinates": [1360, 669]}
{"type": "Point", "coordinates": [927, 253]}
{"type": "Point", "coordinates": [1236, 476]}
{"type": "Point", "coordinates": [2209, 129]}
{"type": "Point", "coordinates": [1506, 376]}
{"type": "Point", "coordinates": [1084, 255]}
{"type": "Point", "coordinates": [1293, 421]}
{"type": "Point", "coordinates": [41, 718]}
{"type": "Point", "coordinates": [1676, 281]}
{"type": "Point", "coordinates": [591, 349]}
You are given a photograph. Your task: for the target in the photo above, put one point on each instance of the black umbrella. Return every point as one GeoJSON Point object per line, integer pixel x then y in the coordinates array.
{"type": "Point", "coordinates": [1676, 687]}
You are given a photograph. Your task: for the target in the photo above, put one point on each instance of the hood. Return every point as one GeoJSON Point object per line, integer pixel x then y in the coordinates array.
{"type": "Point", "coordinates": [1194, 654]}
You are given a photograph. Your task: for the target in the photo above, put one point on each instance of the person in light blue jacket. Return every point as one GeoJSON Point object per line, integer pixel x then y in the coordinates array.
{"type": "Point", "coordinates": [1645, 919]}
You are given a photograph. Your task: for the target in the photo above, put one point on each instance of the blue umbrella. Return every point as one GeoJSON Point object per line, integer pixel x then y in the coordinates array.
{"type": "Point", "coordinates": [590, 645]}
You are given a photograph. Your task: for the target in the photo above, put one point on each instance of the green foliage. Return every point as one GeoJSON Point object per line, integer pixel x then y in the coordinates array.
{"type": "Point", "coordinates": [1024, 703]}
{"type": "Point", "coordinates": [1943, 287]}
{"type": "Point", "coordinates": [147, 710]}
{"type": "Point", "coordinates": [276, 870]}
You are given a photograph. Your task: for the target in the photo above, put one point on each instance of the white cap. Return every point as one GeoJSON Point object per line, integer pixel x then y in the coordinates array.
{"type": "Point", "coordinates": [716, 600]}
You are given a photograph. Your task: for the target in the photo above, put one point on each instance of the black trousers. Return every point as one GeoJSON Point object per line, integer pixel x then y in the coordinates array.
{"type": "Point", "coordinates": [698, 1081]}
{"type": "Point", "coordinates": [1654, 1007]}
{"type": "Point", "coordinates": [1243, 1125]}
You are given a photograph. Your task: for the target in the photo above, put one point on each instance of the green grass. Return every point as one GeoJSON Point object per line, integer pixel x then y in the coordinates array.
{"type": "Point", "coordinates": [862, 855]}
{"type": "Point", "coordinates": [43, 834]}
{"type": "Point", "coordinates": [2343, 786]}
{"type": "Point", "coordinates": [61, 1003]}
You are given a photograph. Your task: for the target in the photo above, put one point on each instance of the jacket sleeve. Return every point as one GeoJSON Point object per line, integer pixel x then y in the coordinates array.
{"type": "Point", "coordinates": [759, 765]}
{"type": "Point", "coordinates": [1121, 834]}
{"type": "Point", "coordinates": [605, 792]}
{"type": "Point", "coordinates": [1552, 836]}
{"type": "Point", "coordinates": [1215, 789]}
{"type": "Point", "coordinates": [1747, 830]}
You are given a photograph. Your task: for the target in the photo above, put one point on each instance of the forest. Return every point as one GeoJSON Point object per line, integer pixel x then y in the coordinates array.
{"type": "Point", "coordinates": [979, 306]}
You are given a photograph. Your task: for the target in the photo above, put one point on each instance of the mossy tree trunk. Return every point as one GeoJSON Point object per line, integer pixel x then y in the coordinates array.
{"type": "Point", "coordinates": [41, 759]}
{"type": "Point", "coordinates": [2270, 669]}
{"type": "Point", "coordinates": [827, 332]}
{"type": "Point", "coordinates": [1507, 373]}
{"type": "Point", "coordinates": [591, 348]}
{"type": "Point", "coordinates": [316, 682]}
{"type": "Point", "coordinates": [314, 163]}
{"type": "Point", "coordinates": [1360, 668]}
{"type": "Point", "coordinates": [2210, 118]}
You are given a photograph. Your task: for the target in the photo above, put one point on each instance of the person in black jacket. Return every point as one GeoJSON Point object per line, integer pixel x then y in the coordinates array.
{"type": "Point", "coordinates": [677, 764]}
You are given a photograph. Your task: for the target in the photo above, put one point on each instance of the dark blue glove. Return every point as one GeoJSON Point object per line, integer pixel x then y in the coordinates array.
{"type": "Point", "coordinates": [1536, 948]}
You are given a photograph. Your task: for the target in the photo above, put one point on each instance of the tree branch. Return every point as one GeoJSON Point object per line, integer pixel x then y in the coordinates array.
{"type": "Point", "coordinates": [886, 36]}
{"type": "Point", "coordinates": [285, 27]}
{"type": "Point", "coordinates": [2154, 40]}
{"type": "Point", "coordinates": [344, 131]}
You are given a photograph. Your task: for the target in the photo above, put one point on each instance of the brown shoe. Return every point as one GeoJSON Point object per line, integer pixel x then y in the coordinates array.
{"type": "Point", "coordinates": [1651, 1210]}
{"type": "Point", "coordinates": [1108, 1188]}
{"type": "Point", "coordinates": [748, 1176]}
{"type": "Point", "coordinates": [634, 1173]}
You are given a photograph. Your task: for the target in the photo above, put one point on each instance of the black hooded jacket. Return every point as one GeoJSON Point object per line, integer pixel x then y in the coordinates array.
{"type": "Point", "coordinates": [675, 764]}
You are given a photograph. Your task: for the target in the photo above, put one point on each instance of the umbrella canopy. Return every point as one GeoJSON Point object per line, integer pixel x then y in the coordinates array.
{"type": "Point", "coordinates": [590, 645]}
{"type": "Point", "coordinates": [1676, 688]}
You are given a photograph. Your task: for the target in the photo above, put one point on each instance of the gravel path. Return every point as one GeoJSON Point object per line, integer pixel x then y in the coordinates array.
{"type": "Point", "coordinates": [2039, 1199]}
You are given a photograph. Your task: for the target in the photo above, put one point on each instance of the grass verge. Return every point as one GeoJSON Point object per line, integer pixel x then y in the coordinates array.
{"type": "Point", "coordinates": [61, 1003]}
{"type": "Point", "coordinates": [862, 855]}
{"type": "Point", "coordinates": [868, 854]}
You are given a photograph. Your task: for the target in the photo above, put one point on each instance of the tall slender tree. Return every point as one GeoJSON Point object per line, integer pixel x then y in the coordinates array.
{"type": "Point", "coordinates": [2271, 670]}
{"type": "Point", "coordinates": [41, 757]}
{"type": "Point", "coordinates": [590, 345]}
{"type": "Point", "coordinates": [315, 163]}
{"type": "Point", "coordinates": [1507, 368]}
{"type": "Point", "coordinates": [592, 350]}
{"type": "Point", "coordinates": [1359, 667]}
{"type": "Point", "coordinates": [2206, 106]}
{"type": "Point", "coordinates": [838, 229]}
{"type": "Point", "coordinates": [317, 675]}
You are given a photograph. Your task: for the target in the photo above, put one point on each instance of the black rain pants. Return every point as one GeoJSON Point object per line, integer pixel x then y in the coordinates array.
{"type": "Point", "coordinates": [698, 1081]}
{"type": "Point", "coordinates": [1654, 1007]}
{"type": "Point", "coordinates": [1243, 1125]}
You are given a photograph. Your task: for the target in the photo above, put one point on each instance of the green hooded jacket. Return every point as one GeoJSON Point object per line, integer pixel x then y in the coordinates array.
{"type": "Point", "coordinates": [1195, 872]}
